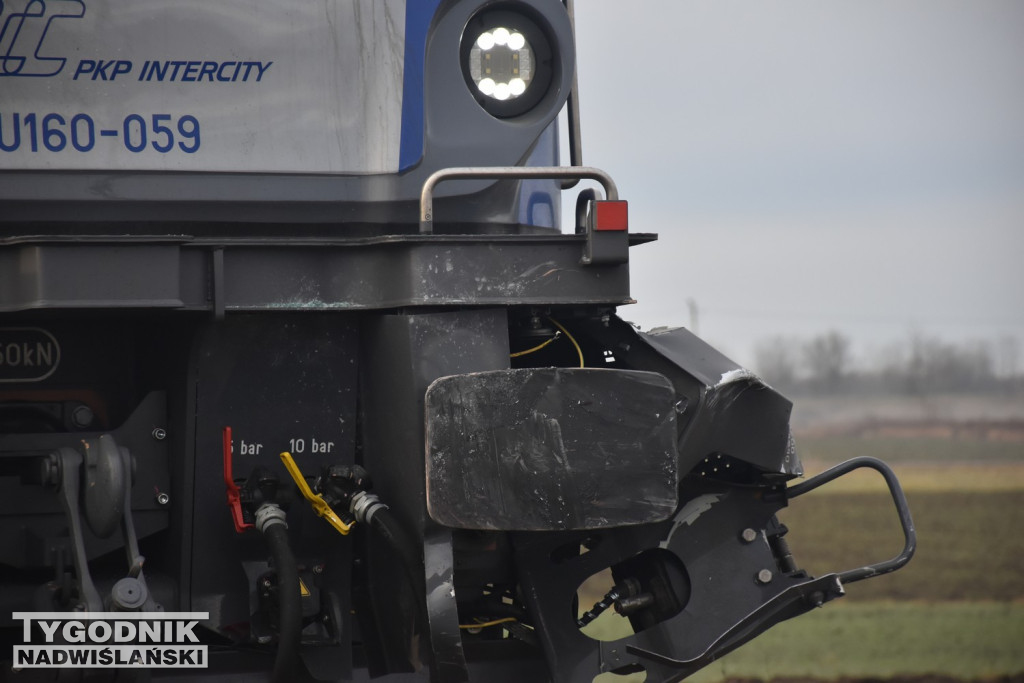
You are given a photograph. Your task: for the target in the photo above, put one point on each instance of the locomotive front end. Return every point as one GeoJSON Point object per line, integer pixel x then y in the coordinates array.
{"type": "Point", "coordinates": [295, 357]}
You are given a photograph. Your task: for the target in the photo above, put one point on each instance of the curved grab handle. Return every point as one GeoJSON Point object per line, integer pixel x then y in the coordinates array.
{"type": "Point", "coordinates": [507, 172]}
{"type": "Point", "coordinates": [909, 536]}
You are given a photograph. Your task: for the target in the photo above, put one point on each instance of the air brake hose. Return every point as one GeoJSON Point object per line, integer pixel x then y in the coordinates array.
{"type": "Point", "coordinates": [367, 508]}
{"type": "Point", "coordinates": [270, 520]}
{"type": "Point", "coordinates": [387, 526]}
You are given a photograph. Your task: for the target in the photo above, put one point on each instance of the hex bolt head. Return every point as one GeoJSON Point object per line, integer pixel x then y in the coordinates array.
{"type": "Point", "coordinates": [82, 416]}
{"type": "Point", "coordinates": [764, 576]}
{"type": "Point", "coordinates": [748, 535]}
{"type": "Point", "coordinates": [159, 434]}
{"type": "Point", "coordinates": [162, 498]}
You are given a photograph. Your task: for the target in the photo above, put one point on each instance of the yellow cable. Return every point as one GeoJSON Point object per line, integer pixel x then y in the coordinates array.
{"type": "Point", "coordinates": [579, 351]}
{"type": "Point", "coordinates": [320, 505]}
{"type": "Point", "coordinates": [536, 348]}
{"type": "Point", "coordinates": [485, 624]}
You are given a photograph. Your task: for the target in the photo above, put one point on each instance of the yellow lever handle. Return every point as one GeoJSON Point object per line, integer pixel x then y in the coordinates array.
{"type": "Point", "coordinates": [320, 505]}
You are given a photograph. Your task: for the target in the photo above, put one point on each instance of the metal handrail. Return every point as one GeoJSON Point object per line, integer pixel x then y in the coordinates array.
{"type": "Point", "coordinates": [507, 172]}
{"type": "Point", "coordinates": [572, 109]}
{"type": "Point", "coordinates": [902, 509]}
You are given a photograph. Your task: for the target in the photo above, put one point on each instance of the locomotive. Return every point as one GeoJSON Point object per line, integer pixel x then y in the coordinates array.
{"type": "Point", "coordinates": [291, 339]}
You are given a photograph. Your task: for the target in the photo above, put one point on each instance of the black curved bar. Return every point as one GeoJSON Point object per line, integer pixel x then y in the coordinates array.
{"type": "Point", "coordinates": [902, 509]}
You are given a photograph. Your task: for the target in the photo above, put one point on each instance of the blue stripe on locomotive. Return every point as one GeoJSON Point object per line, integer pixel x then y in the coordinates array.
{"type": "Point", "coordinates": [418, 15]}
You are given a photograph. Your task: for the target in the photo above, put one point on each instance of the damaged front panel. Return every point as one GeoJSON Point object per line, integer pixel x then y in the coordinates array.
{"type": "Point", "coordinates": [551, 449]}
{"type": "Point", "coordinates": [698, 584]}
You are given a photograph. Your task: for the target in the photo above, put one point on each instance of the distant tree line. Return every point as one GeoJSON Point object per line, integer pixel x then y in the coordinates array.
{"type": "Point", "coordinates": [920, 364]}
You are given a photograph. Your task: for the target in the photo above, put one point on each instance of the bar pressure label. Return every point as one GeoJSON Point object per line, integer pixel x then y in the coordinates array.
{"type": "Point", "coordinates": [237, 85]}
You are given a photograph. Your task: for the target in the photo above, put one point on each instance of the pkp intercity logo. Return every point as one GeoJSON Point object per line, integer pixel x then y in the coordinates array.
{"type": "Point", "coordinates": [23, 28]}
{"type": "Point", "coordinates": [87, 640]}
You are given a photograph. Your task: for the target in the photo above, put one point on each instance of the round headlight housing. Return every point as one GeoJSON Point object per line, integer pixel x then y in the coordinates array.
{"type": "Point", "coordinates": [506, 60]}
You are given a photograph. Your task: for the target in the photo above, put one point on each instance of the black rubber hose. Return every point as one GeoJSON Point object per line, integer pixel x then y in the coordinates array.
{"type": "Point", "coordinates": [289, 601]}
{"type": "Point", "coordinates": [385, 524]}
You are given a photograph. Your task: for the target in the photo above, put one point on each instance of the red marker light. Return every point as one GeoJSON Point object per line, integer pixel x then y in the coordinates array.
{"type": "Point", "coordinates": [611, 215]}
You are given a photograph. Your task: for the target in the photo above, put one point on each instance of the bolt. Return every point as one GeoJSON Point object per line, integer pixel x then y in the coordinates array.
{"type": "Point", "coordinates": [764, 576]}
{"type": "Point", "coordinates": [159, 434]}
{"type": "Point", "coordinates": [82, 416]}
{"type": "Point", "coordinates": [266, 584]}
{"type": "Point", "coordinates": [749, 535]}
{"type": "Point", "coordinates": [817, 598]}
{"type": "Point", "coordinates": [162, 498]}
{"type": "Point", "coordinates": [318, 569]}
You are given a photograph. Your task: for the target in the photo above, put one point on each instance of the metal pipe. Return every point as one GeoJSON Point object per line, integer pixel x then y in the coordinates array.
{"type": "Point", "coordinates": [572, 109]}
{"type": "Point", "coordinates": [507, 172]}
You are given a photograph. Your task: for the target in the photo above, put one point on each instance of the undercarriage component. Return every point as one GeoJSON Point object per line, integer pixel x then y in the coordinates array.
{"type": "Point", "coordinates": [693, 588]}
{"type": "Point", "coordinates": [65, 468]}
{"type": "Point", "coordinates": [511, 475]}
{"type": "Point", "coordinates": [105, 503]}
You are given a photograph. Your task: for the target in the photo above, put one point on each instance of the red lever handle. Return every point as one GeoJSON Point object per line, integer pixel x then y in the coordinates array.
{"type": "Point", "coordinates": [234, 499]}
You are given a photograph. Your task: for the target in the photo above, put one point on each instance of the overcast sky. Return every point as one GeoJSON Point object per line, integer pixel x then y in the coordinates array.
{"type": "Point", "coordinates": [809, 166]}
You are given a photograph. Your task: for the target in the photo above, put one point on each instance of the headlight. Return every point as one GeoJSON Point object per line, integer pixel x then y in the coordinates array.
{"type": "Point", "coordinates": [501, 63]}
{"type": "Point", "coordinates": [506, 61]}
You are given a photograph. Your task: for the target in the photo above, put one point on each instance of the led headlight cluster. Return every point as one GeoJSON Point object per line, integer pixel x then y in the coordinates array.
{"type": "Point", "coordinates": [507, 62]}
{"type": "Point", "coordinates": [501, 63]}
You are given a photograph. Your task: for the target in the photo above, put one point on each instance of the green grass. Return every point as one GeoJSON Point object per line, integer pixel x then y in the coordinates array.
{"type": "Point", "coordinates": [965, 640]}
{"type": "Point", "coordinates": [879, 640]}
